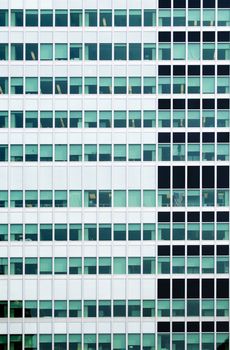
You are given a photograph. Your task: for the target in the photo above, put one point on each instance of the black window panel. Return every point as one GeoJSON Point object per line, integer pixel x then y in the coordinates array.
{"type": "Point", "coordinates": [223, 103]}
{"type": "Point", "coordinates": [178, 250]}
{"type": "Point", "coordinates": [223, 36]}
{"type": "Point", "coordinates": [223, 216]}
{"type": "Point", "coordinates": [178, 137]}
{"type": "Point", "coordinates": [208, 326]}
{"type": "Point", "coordinates": [163, 327]}
{"type": "Point", "coordinates": [178, 326]}
{"type": "Point", "coordinates": [193, 327]}
{"type": "Point", "coordinates": [208, 288]}
{"type": "Point", "coordinates": [208, 137]}
{"type": "Point", "coordinates": [179, 216]}
{"type": "Point", "coordinates": [164, 104]}
{"type": "Point", "coordinates": [193, 288]}
{"type": "Point", "coordinates": [209, 4]}
{"type": "Point", "coordinates": [223, 137]}
{"type": "Point", "coordinates": [208, 70]}
{"type": "Point", "coordinates": [194, 37]}
{"type": "Point", "coordinates": [222, 288]}
{"type": "Point", "coordinates": [208, 104]}
{"type": "Point", "coordinates": [164, 37]}
{"type": "Point", "coordinates": [223, 4]}
{"type": "Point", "coordinates": [222, 327]}
{"type": "Point", "coordinates": [178, 288]}
{"type": "Point", "coordinates": [193, 179]}
{"type": "Point", "coordinates": [178, 177]}
{"type": "Point", "coordinates": [163, 217]}
{"type": "Point", "coordinates": [164, 70]}
{"type": "Point", "coordinates": [193, 216]}
{"type": "Point", "coordinates": [178, 70]}
{"type": "Point", "coordinates": [207, 250]}
{"type": "Point", "coordinates": [179, 37]}
{"type": "Point", "coordinates": [222, 177]}
{"type": "Point", "coordinates": [164, 4]}
{"type": "Point", "coordinates": [223, 70]}
{"type": "Point", "coordinates": [193, 137]}
{"type": "Point", "coordinates": [178, 104]}
{"type": "Point", "coordinates": [163, 177]}
{"type": "Point", "coordinates": [164, 137]}
{"type": "Point", "coordinates": [163, 289]}
{"type": "Point", "coordinates": [193, 70]}
{"type": "Point", "coordinates": [163, 250]}
{"type": "Point", "coordinates": [208, 177]}
{"type": "Point", "coordinates": [193, 104]}
{"type": "Point", "coordinates": [209, 37]}
{"type": "Point", "coordinates": [222, 250]}
{"type": "Point", "coordinates": [208, 216]}
{"type": "Point", "coordinates": [193, 250]}
{"type": "Point", "coordinates": [179, 4]}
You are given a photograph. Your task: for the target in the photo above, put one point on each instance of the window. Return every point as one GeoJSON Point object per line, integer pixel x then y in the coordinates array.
{"type": "Point", "coordinates": [91, 18]}
{"type": "Point", "coordinates": [120, 18]}
{"type": "Point", "coordinates": [60, 266]}
{"type": "Point", "coordinates": [16, 309]}
{"type": "Point", "coordinates": [61, 18]}
{"type": "Point", "coordinates": [3, 52]}
{"type": "Point", "coordinates": [105, 18]}
{"type": "Point", "coordinates": [31, 85]}
{"type": "Point", "coordinates": [31, 18]}
{"type": "Point", "coordinates": [3, 119]}
{"type": "Point", "coordinates": [75, 18]}
{"type": "Point", "coordinates": [46, 52]}
{"type": "Point", "coordinates": [17, 18]}
{"type": "Point", "coordinates": [31, 119]}
{"type": "Point", "coordinates": [120, 52]}
{"type": "Point", "coordinates": [31, 52]}
{"type": "Point", "coordinates": [61, 52]}
{"type": "Point", "coordinates": [105, 52]}
{"type": "Point", "coordinates": [135, 18]}
{"type": "Point", "coordinates": [16, 86]}
{"type": "Point", "coordinates": [46, 18]}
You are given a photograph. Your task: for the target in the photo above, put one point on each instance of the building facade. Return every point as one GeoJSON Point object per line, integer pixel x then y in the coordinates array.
{"type": "Point", "coordinates": [114, 174]}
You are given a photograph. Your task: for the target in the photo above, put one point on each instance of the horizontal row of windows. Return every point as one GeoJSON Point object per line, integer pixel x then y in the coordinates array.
{"type": "Point", "coordinates": [77, 266]}
{"type": "Point", "coordinates": [117, 52]}
{"type": "Point", "coordinates": [193, 4]}
{"type": "Point", "coordinates": [207, 339]}
{"type": "Point", "coordinates": [77, 308]}
{"type": "Point", "coordinates": [76, 85]}
{"type": "Point", "coordinates": [113, 308]}
{"type": "Point", "coordinates": [116, 85]}
{"type": "Point", "coordinates": [121, 198]}
{"type": "Point", "coordinates": [176, 118]}
{"type": "Point", "coordinates": [116, 152]}
{"type": "Point", "coordinates": [117, 232]}
{"type": "Point", "coordinates": [79, 18]}
{"type": "Point", "coordinates": [78, 51]}
{"type": "Point", "coordinates": [116, 18]}
{"type": "Point", "coordinates": [73, 152]}
{"type": "Point", "coordinates": [73, 198]}
{"type": "Point", "coordinates": [116, 265]}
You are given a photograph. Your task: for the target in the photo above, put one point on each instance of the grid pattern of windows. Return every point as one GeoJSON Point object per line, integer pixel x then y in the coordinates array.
{"type": "Point", "coordinates": [114, 175]}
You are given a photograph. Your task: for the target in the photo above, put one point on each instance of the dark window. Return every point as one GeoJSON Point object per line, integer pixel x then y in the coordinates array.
{"type": "Point", "coordinates": [208, 177]}
{"type": "Point", "coordinates": [164, 37]}
{"type": "Point", "coordinates": [163, 177]}
{"type": "Point", "coordinates": [193, 177]}
{"type": "Point", "coordinates": [208, 250]}
{"type": "Point", "coordinates": [178, 177]}
{"type": "Point", "coordinates": [164, 3]}
{"type": "Point", "coordinates": [222, 177]}
{"type": "Point", "coordinates": [178, 288]}
{"type": "Point", "coordinates": [193, 288]}
{"type": "Point", "coordinates": [193, 216]}
{"type": "Point", "coordinates": [208, 3]}
{"type": "Point", "coordinates": [163, 327]}
{"type": "Point", "coordinates": [178, 326]}
{"type": "Point", "coordinates": [222, 288]}
{"type": "Point", "coordinates": [193, 250]}
{"type": "Point", "coordinates": [163, 250]}
{"type": "Point", "coordinates": [193, 327]}
{"type": "Point", "coordinates": [163, 217]}
{"type": "Point", "coordinates": [179, 3]}
{"type": "Point", "coordinates": [207, 326]}
{"type": "Point", "coordinates": [163, 289]}
{"type": "Point", "coordinates": [207, 288]}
